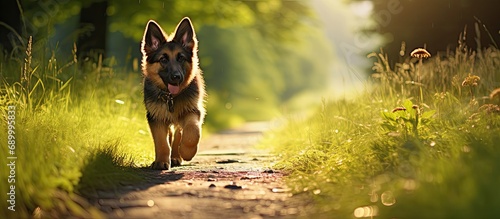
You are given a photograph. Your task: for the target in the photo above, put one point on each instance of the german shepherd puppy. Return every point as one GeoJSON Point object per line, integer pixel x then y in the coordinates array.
{"type": "Point", "coordinates": [174, 92]}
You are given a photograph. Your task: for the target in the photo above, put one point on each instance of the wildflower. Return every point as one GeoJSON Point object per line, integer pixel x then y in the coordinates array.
{"type": "Point", "coordinates": [471, 80]}
{"type": "Point", "coordinates": [420, 53]}
{"type": "Point", "coordinates": [398, 109]}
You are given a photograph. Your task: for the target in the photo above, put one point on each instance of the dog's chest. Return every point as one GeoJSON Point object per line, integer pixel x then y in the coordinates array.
{"type": "Point", "coordinates": [169, 109]}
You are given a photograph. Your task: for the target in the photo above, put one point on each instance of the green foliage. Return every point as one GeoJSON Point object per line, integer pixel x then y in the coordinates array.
{"type": "Point", "coordinates": [393, 154]}
{"type": "Point", "coordinates": [255, 77]}
{"type": "Point", "coordinates": [220, 114]}
{"type": "Point", "coordinates": [273, 19]}
{"type": "Point", "coordinates": [243, 74]}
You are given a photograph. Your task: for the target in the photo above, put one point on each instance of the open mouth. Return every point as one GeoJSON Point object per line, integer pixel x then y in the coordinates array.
{"type": "Point", "coordinates": [173, 89]}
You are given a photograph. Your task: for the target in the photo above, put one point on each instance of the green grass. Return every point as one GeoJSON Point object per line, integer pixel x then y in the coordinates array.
{"type": "Point", "coordinates": [79, 127]}
{"type": "Point", "coordinates": [438, 158]}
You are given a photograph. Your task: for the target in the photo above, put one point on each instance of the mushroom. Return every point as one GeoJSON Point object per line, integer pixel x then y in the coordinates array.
{"type": "Point", "coordinates": [420, 53]}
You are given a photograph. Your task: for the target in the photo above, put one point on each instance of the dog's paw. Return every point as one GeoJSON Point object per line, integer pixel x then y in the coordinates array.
{"type": "Point", "coordinates": [176, 161]}
{"type": "Point", "coordinates": [158, 165]}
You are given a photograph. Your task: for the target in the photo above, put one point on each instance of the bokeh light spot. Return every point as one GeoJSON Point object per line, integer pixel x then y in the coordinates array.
{"type": "Point", "coordinates": [388, 198]}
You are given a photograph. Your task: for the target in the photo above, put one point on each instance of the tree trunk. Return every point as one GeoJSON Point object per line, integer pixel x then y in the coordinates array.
{"type": "Point", "coordinates": [93, 24]}
{"type": "Point", "coordinates": [9, 14]}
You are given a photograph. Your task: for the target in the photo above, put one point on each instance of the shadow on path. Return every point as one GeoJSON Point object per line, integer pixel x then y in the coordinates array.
{"type": "Point", "coordinates": [227, 179]}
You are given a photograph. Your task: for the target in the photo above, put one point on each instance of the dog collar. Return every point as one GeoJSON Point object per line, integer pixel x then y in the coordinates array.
{"type": "Point", "coordinates": [167, 97]}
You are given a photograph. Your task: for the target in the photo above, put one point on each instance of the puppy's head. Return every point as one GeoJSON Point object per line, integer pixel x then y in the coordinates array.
{"type": "Point", "coordinates": [170, 62]}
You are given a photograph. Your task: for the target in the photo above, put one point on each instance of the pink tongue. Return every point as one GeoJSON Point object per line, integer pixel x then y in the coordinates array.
{"type": "Point", "coordinates": [173, 89]}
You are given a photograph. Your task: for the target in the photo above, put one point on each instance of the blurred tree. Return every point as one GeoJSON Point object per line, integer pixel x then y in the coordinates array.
{"type": "Point", "coordinates": [274, 18]}
{"type": "Point", "coordinates": [39, 17]}
{"type": "Point", "coordinates": [305, 66]}
{"type": "Point", "coordinates": [11, 18]}
{"type": "Point", "coordinates": [240, 66]}
{"type": "Point", "coordinates": [434, 24]}
{"type": "Point", "coordinates": [93, 17]}
{"type": "Point", "coordinates": [257, 77]}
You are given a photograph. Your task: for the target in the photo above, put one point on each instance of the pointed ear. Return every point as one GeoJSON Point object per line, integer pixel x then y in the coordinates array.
{"type": "Point", "coordinates": [153, 38]}
{"type": "Point", "coordinates": [184, 34]}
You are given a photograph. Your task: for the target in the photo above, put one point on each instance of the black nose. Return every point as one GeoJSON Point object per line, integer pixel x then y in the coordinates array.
{"type": "Point", "coordinates": [176, 77]}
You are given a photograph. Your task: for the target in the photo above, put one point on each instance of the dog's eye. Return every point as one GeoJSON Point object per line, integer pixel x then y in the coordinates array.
{"type": "Point", "coordinates": [163, 60]}
{"type": "Point", "coordinates": [181, 58]}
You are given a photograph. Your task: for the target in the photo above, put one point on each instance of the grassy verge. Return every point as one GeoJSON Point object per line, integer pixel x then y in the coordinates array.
{"type": "Point", "coordinates": [421, 143]}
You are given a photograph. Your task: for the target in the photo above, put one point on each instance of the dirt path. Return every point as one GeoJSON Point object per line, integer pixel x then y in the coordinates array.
{"type": "Point", "coordinates": [227, 179]}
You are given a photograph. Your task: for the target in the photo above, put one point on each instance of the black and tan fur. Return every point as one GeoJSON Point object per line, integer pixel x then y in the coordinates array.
{"type": "Point", "coordinates": [171, 74]}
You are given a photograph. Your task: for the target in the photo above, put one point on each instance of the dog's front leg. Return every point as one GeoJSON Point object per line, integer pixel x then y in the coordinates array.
{"type": "Point", "coordinates": [160, 130]}
{"type": "Point", "coordinates": [191, 134]}
{"type": "Point", "coordinates": [176, 159]}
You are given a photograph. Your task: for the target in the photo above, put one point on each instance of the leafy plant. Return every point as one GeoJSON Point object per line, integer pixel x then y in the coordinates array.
{"type": "Point", "coordinates": [407, 119]}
